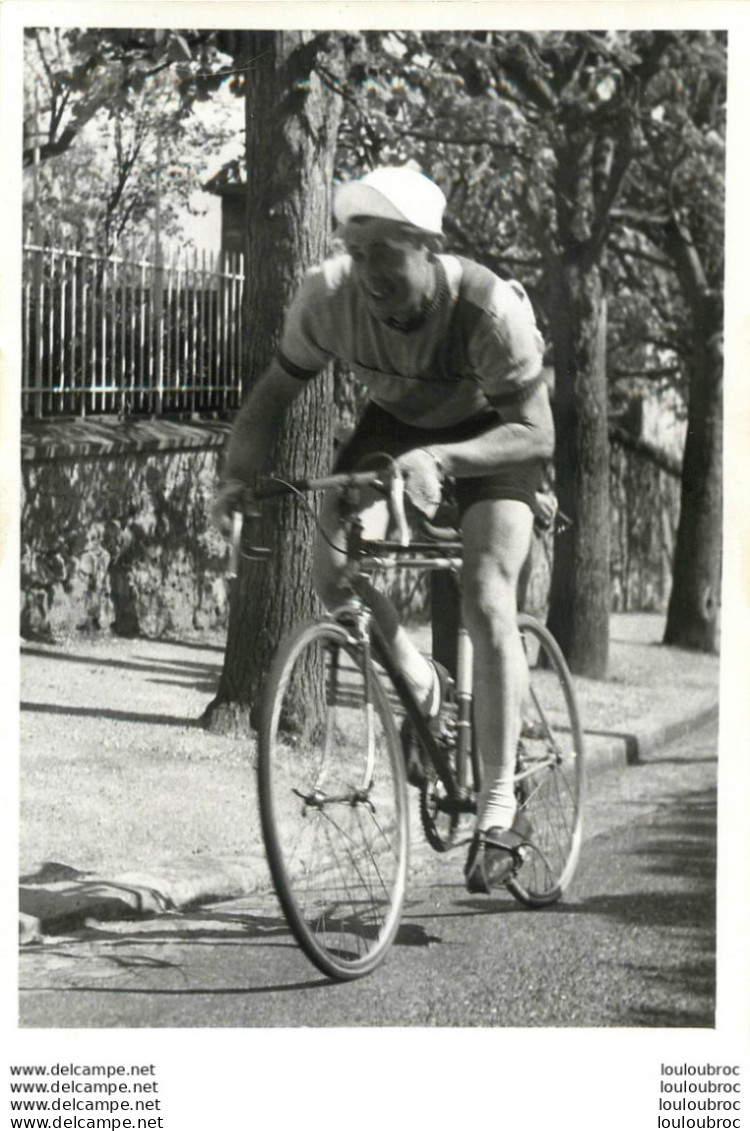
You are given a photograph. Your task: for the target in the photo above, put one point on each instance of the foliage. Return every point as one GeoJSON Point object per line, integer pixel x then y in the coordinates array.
{"type": "Point", "coordinates": [109, 118]}
{"type": "Point", "coordinates": [589, 165]}
{"type": "Point", "coordinates": [668, 230]}
{"type": "Point", "coordinates": [493, 117]}
{"type": "Point", "coordinates": [81, 71]}
{"type": "Point", "coordinates": [489, 115]}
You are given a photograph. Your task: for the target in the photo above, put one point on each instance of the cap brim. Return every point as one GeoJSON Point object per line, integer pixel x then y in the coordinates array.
{"type": "Point", "coordinates": [356, 199]}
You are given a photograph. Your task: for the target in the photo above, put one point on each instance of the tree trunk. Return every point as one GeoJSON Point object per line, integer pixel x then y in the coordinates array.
{"type": "Point", "coordinates": [693, 613]}
{"type": "Point", "coordinates": [694, 604]}
{"type": "Point", "coordinates": [580, 586]}
{"type": "Point", "coordinates": [291, 129]}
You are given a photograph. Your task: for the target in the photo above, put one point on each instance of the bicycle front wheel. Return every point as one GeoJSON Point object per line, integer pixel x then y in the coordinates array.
{"type": "Point", "coordinates": [550, 771]}
{"type": "Point", "coordinates": [333, 800]}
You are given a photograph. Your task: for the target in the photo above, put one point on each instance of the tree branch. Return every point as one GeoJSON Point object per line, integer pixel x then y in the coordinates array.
{"type": "Point", "coordinates": [663, 460]}
{"type": "Point", "coordinates": [471, 140]}
{"type": "Point", "coordinates": [686, 257]}
{"type": "Point", "coordinates": [623, 155]}
{"type": "Point", "coordinates": [525, 72]}
{"type": "Point", "coordinates": [625, 253]}
{"type": "Point", "coordinates": [648, 374]}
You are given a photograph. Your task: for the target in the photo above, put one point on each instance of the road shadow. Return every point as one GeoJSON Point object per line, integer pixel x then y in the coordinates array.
{"type": "Point", "coordinates": [191, 645]}
{"type": "Point", "coordinates": [699, 975]}
{"type": "Point", "coordinates": [119, 952]}
{"type": "Point", "coordinates": [186, 673]}
{"type": "Point", "coordinates": [671, 877]}
{"type": "Point", "coordinates": [108, 713]}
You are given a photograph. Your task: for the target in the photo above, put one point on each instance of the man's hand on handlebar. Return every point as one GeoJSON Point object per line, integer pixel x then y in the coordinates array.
{"type": "Point", "coordinates": [423, 480]}
{"type": "Point", "coordinates": [230, 497]}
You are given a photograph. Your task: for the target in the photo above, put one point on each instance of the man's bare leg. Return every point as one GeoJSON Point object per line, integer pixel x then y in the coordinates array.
{"type": "Point", "coordinates": [331, 588]}
{"type": "Point", "coordinates": [496, 537]}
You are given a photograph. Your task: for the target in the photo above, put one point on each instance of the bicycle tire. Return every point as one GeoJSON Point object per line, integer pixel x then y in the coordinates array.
{"type": "Point", "coordinates": [333, 800]}
{"type": "Point", "coordinates": [550, 778]}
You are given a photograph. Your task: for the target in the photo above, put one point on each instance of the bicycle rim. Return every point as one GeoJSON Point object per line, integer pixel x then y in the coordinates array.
{"type": "Point", "coordinates": [550, 772]}
{"type": "Point", "coordinates": [333, 801]}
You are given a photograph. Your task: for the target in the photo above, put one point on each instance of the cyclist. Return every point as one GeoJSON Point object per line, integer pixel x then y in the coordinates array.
{"type": "Point", "coordinates": [452, 360]}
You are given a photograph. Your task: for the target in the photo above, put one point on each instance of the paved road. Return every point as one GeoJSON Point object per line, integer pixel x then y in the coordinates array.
{"type": "Point", "coordinates": [633, 945]}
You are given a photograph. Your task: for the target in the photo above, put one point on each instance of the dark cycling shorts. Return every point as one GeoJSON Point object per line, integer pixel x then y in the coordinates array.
{"type": "Point", "coordinates": [378, 431]}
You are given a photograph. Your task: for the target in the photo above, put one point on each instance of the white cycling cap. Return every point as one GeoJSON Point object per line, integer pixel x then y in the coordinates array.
{"type": "Point", "coordinates": [394, 194]}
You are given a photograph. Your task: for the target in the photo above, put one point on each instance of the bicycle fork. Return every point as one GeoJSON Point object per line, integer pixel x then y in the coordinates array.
{"type": "Point", "coordinates": [356, 618]}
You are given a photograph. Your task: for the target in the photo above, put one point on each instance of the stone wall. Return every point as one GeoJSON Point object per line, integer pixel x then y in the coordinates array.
{"type": "Point", "coordinates": [645, 508]}
{"type": "Point", "coordinates": [115, 532]}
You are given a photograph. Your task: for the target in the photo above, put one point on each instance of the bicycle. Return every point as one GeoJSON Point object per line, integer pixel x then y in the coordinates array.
{"type": "Point", "coordinates": [331, 754]}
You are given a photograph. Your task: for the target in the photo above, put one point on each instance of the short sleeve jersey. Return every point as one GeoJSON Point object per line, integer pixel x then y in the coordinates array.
{"type": "Point", "coordinates": [475, 348]}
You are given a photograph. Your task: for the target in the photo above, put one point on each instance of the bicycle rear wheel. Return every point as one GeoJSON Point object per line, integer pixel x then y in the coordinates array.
{"type": "Point", "coordinates": [333, 800]}
{"type": "Point", "coordinates": [549, 773]}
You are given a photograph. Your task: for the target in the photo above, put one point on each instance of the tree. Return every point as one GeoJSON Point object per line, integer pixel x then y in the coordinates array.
{"type": "Point", "coordinates": [82, 71]}
{"type": "Point", "coordinates": [693, 613]}
{"type": "Point", "coordinates": [291, 130]}
{"type": "Point", "coordinates": [532, 136]}
{"type": "Point", "coordinates": [121, 152]}
{"type": "Point", "coordinates": [678, 207]}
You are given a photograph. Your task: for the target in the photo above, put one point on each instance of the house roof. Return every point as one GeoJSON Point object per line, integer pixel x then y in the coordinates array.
{"type": "Point", "coordinates": [228, 181]}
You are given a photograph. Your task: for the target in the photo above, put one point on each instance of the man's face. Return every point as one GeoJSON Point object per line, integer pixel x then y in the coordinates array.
{"type": "Point", "coordinates": [392, 272]}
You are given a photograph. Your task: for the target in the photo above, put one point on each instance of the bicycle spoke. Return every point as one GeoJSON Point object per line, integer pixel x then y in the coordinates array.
{"type": "Point", "coordinates": [334, 808]}
{"type": "Point", "coordinates": [549, 780]}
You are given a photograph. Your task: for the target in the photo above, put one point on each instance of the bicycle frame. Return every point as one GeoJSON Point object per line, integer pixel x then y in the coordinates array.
{"type": "Point", "coordinates": [331, 774]}
{"type": "Point", "coordinates": [366, 557]}
{"type": "Point", "coordinates": [441, 552]}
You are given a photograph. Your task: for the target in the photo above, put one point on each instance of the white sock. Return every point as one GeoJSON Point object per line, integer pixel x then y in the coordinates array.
{"type": "Point", "coordinates": [432, 704]}
{"type": "Point", "coordinates": [497, 805]}
{"type": "Point", "coordinates": [429, 699]}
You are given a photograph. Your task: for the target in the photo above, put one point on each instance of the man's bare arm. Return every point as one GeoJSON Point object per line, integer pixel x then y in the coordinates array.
{"type": "Point", "coordinates": [526, 432]}
{"type": "Point", "coordinates": [254, 430]}
{"type": "Point", "coordinates": [258, 422]}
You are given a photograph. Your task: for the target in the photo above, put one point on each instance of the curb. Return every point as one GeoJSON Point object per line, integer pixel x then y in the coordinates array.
{"type": "Point", "coordinates": [611, 749]}
{"type": "Point", "coordinates": [59, 899]}
{"type": "Point", "coordinates": [644, 743]}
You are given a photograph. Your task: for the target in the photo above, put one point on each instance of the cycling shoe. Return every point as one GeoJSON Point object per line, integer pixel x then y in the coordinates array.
{"type": "Point", "coordinates": [495, 855]}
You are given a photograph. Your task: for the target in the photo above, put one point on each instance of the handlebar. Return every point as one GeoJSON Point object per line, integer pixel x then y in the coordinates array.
{"type": "Point", "coordinates": [389, 483]}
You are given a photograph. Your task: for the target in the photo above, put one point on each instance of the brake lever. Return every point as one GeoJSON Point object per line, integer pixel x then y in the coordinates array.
{"type": "Point", "coordinates": [239, 550]}
{"type": "Point", "coordinates": [234, 544]}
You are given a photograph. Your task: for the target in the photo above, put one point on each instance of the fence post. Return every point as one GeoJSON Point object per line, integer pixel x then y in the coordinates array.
{"type": "Point", "coordinates": [157, 301]}
{"type": "Point", "coordinates": [103, 334]}
{"type": "Point", "coordinates": [158, 309]}
{"type": "Point", "coordinates": [37, 270]}
{"type": "Point", "coordinates": [37, 285]}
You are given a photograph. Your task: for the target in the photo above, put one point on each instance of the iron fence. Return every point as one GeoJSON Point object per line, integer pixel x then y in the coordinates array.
{"type": "Point", "coordinates": [123, 335]}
